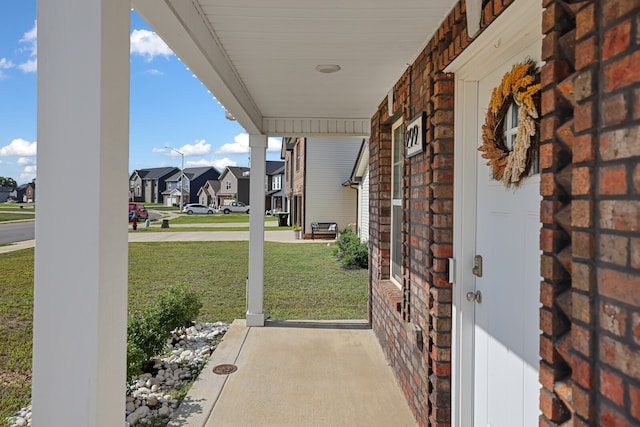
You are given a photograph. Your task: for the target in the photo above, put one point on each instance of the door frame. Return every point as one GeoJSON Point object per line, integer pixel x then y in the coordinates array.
{"type": "Point", "coordinates": [516, 28]}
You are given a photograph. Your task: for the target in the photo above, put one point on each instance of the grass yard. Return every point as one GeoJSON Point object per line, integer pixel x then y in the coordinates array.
{"type": "Point", "coordinates": [302, 281]}
{"type": "Point", "coordinates": [16, 329]}
{"type": "Point", "coordinates": [10, 216]}
{"type": "Point", "coordinates": [28, 207]}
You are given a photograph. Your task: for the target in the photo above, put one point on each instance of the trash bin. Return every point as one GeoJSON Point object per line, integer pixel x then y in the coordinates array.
{"type": "Point", "coordinates": [165, 223]}
{"type": "Point", "coordinates": [283, 219]}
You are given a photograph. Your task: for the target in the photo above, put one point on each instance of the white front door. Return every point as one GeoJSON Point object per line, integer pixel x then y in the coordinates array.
{"type": "Point", "coordinates": [506, 329]}
{"type": "Point", "coordinates": [495, 352]}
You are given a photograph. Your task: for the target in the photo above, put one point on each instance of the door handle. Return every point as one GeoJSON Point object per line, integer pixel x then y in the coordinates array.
{"type": "Point", "coordinates": [474, 296]}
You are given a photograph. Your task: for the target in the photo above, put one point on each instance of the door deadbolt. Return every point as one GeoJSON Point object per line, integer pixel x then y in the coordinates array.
{"type": "Point", "coordinates": [474, 296]}
{"type": "Point", "coordinates": [477, 266]}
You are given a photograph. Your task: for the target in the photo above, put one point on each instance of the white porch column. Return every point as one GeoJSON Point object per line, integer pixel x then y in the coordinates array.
{"type": "Point", "coordinates": [80, 300]}
{"type": "Point", "coordinates": [255, 287]}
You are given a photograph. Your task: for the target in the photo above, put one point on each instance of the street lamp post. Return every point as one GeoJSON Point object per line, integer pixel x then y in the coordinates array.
{"type": "Point", "coordinates": [181, 177]}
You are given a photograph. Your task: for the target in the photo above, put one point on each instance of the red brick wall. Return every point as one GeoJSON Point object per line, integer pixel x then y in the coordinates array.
{"type": "Point", "coordinates": [423, 368]}
{"type": "Point", "coordinates": [590, 149]}
{"type": "Point", "coordinates": [590, 214]}
{"type": "Point", "coordinates": [616, 190]}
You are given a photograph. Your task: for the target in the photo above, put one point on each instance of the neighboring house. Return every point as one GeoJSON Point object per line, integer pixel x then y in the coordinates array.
{"type": "Point", "coordinates": [234, 185]}
{"type": "Point", "coordinates": [208, 193]}
{"type": "Point", "coordinates": [359, 181]}
{"type": "Point", "coordinates": [274, 191]}
{"type": "Point", "coordinates": [30, 192]}
{"type": "Point", "coordinates": [190, 184]}
{"type": "Point", "coordinates": [315, 169]}
{"type": "Point", "coordinates": [18, 193]}
{"type": "Point", "coordinates": [6, 193]}
{"type": "Point", "coordinates": [147, 185]}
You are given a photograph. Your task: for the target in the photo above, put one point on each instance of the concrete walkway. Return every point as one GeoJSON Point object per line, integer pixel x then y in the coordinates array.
{"type": "Point", "coordinates": [281, 236]}
{"type": "Point", "coordinates": [297, 373]}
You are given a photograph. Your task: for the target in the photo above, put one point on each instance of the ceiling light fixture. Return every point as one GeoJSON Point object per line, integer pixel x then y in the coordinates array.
{"type": "Point", "coordinates": [328, 68]}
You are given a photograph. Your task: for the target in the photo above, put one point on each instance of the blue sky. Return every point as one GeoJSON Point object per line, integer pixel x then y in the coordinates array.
{"type": "Point", "coordinates": [169, 106]}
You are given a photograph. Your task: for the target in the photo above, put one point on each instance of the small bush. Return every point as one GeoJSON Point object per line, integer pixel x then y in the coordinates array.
{"type": "Point", "coordinates": [350, 250]}
{"type": "Point", "coordinates": [148, 330]}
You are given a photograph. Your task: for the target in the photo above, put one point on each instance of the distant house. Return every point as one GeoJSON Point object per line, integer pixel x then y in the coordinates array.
{"type": "Point", "coordinates": [5, 193]}
{"type": "Point", "coordinates": [208, 193]}
{"type": "Point", "coordinates": [274, 192]}
{"type": "Point", "coordinates": [25, 193]}
{"type": "Point", "coordinates": [187, 188]}
{"type": "Point", "coordinates": [315, 170]}
{"type": "Point", "coordinates": [147, 185]}
{"type": "Point", "coordinates": [234, 185]}
{"type": "Point", "coordinates": [359, 181]}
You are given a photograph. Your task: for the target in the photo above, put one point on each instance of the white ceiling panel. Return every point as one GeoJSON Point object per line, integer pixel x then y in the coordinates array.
{"type": "Point", "coordinates": [258, 57]}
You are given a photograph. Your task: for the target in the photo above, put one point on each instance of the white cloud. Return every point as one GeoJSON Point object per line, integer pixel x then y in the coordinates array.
{"type": "Point", "coordinates": [30, 39]}
{"type": "Point", "coordinates": [19, 147]}
{"type": "Point", "coordinates": [28, 173]}
{"type": "Point", "coordinates": [198, 149]}
{"type": "Point", "coordinates": [5, 64]}
{"type": "Point", "coordinates": [241, 145]}
{"type": "Point", "coordinates": [197, 163]}
{"type": "Point", "coordinates": [31, 66]}
{"type": "Point", "coordinates": [154, 72]}
{"type": "Point", "coordinates": [274, 144]}
{"type": "Point", "coordinates": [148, 44]}
{"type": "Point", "coordinates": [25, 161]}
{"type": "Point", "coordinates": [220, 164]}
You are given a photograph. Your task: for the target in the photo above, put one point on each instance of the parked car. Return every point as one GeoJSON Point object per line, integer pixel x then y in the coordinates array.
{"type": "Point", "coordinates": [138, 208]}
{"type": "Point", "coordinates": [234, 207]}
{"type": "Point", "coordinates": [196, 208]}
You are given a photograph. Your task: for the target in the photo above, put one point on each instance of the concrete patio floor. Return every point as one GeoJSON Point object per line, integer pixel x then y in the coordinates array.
{"type": "Point", "coordinates": [298, 374]}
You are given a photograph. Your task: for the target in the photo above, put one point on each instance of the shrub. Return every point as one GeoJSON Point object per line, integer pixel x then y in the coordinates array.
{"type": "Point", "coordinates": [351, 251]}
{"type": "Point", "coordinates": [148, 330]}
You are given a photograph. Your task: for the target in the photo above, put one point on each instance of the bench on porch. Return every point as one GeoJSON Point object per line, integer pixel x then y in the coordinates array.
{"type": "Point", "coordinates": [325, 229]}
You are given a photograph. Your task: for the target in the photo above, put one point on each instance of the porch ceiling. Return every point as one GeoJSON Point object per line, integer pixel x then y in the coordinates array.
{"type": "Point", "coordinates": [258, 57]}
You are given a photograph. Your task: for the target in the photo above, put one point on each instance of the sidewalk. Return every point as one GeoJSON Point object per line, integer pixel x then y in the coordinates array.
{"type": "Point", "coordinates": [280, 236]}
{"type": "Point", "coordinates": [17, 246]}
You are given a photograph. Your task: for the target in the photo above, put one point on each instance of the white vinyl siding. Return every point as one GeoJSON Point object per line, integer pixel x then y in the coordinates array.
{"type": "Point", "coordinates": [329, 163]}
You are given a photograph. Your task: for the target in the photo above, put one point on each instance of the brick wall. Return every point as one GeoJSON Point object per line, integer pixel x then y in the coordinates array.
{"type": "Point", "coordinates": [616, 193]}
{"type": "Point", "coordinates": [590, 214]}
{"type": "Point", "coordinates": [590, 345]}
{"type": "Point", "coordinates": [423, 368]}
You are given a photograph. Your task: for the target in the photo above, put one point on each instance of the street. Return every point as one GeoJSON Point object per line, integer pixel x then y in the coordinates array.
{"type": "Point", "coordinates": [17, 231]}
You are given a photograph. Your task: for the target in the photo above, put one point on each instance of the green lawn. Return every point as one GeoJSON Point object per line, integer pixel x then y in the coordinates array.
{"type": "Point", "coordinates": [16, 313]}
{"type": "Point", "coordinates": [15, 216]}
{"type": "Point", "coordinates": [302, 281]}
{"type": "Point", "coordinates": [29, 207]}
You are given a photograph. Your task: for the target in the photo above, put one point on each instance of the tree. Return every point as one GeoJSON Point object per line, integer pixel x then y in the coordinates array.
{"type": "Point", "coordinates": [7, 182]}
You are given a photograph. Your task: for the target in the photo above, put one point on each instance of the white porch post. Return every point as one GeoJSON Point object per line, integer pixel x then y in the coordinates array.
{"type": "Point", "coordinates": [80, 297]}
{"type": "Point", "coordinates": [255, 287]}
